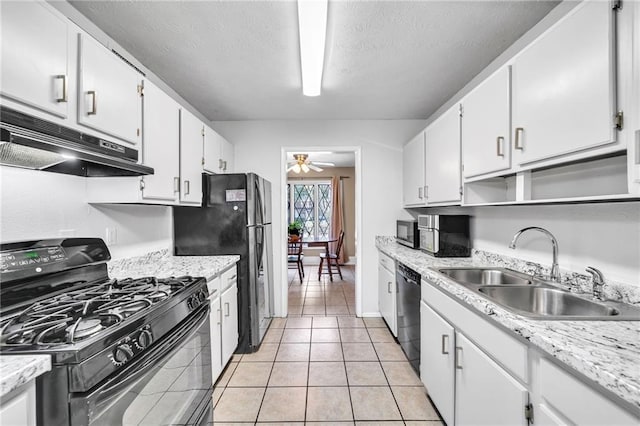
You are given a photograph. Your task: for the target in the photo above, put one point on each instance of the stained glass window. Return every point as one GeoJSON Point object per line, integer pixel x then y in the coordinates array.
{"type": "Point", "coordinates": [310, 204]}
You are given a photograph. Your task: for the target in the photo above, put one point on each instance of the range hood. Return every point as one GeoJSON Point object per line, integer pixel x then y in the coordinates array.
{"type": "Point", "coordinates": [33, 143]}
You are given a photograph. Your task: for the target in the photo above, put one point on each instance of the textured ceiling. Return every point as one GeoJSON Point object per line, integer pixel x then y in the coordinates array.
{"type": "Point", "coordinates": [240, 60]}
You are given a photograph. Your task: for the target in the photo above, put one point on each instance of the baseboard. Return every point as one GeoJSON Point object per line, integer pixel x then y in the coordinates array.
{"type": "Point", "coordinates": [371, 315]}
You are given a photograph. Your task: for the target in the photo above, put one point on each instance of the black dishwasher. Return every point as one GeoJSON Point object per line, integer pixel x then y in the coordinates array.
{"type": "Point", "coordinates": [408, 308]}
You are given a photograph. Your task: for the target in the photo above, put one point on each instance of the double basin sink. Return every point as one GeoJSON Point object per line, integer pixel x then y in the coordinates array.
{"type": "Point", "coordinates": [535, 298]}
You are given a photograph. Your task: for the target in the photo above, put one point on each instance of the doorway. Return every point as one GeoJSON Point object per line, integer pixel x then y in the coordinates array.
{"type": "Point", "coordinates": [318, 186]}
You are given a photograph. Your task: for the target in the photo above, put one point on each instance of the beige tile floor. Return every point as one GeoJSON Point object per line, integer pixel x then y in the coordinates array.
{"type": "Point", "coordinates": [323, 366]}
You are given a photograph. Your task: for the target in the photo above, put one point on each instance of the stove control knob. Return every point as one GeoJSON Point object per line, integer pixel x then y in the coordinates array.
{"type": "Point", "coordinates": [145, 338]}
{"type": "Point", "coordinates": [123, 353]}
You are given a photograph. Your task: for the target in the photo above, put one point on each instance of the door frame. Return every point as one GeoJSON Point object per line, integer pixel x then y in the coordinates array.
{"type": "Point", "coordinates": [283, 217]}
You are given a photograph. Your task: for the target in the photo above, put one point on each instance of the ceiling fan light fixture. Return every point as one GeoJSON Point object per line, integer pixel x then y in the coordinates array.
{"type": "Point", "coordinates": [296, 168]}
{"type": "Point", "coordinates": [312, 29]}
{"type": "Point", "coordinates": [304, 168]}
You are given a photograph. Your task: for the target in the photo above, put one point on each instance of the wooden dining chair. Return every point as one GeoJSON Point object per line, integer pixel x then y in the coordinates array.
{"type": "Point", "coordinates": [333, 258]}
{"type": "Point", "coordinates": [295, 256]}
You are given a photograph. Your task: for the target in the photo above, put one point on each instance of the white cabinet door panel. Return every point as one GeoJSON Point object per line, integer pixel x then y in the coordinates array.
{"type": "Point", "coordinates": [108, 98]}
{"type": "Point", "coordinates": [229, 304]}
{"type": "Point", "coordinates": [34, 56]}
{"type": "Point", "coordinates": [161, 144]}
{"type": "Point", "coordinates": [212, 161]}
{"type": "Point", "coordinates": [228, 156]}
{"type": "Point", "coordinates": [485, 393]}
{"type": "Point", "coordinates": [443, 158]}
{"type": "Point", "coordinates": [413, 172]}
{"type": "Point", "coordinates": [216, 338]}
{"type": "Point", "coordinates": [437, 351]}
{"type": "Point", "coordinates": [486, 142]}
{"type": "Point", "coordinates": [191, 139]}
{"type": "Point", "coordinates": [563, 86]}
{"type": "Point", "coordinates": [387, 297]}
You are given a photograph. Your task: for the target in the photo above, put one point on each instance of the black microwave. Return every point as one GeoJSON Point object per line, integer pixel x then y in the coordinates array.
{"type": "Point", "coordinates": [407, 233]}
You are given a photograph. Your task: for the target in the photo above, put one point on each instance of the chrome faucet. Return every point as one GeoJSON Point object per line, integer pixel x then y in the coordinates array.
{"type": "Point", "coordinates": [555, 269]}
{"type": "Point", "coordinates": [598, 283]}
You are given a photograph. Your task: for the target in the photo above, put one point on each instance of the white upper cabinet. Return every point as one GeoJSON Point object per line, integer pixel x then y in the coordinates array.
{"type": "Point", "coordinates": [564, 87]}
{"type": "Point", "coordinates": [218, 153]}
{"type": "Point", "coordinates": [443, 158]}
{"type": "Point", "coordinates": [413, 180]}
{"type": "Point", "coordinates": [108, 93]}
{"type": "Point", "coordinates": [161, 137]}
{"type": "Point", "coordinates": [228, 156]}
{"type": "Point", "coordinates": [486, 128]}
{"type": "Point", "coordinates": [35, 57]}
{"type": "Point", "coordinates": [191, 146]}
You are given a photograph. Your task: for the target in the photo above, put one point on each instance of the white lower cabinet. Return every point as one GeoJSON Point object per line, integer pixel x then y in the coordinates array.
{"type": "Point", "coordinates": [18, 407]}
{"type": "Point", "coordinates": [437, 366]}
{"type": "Point", "coordinates": [485, 393]}
{"type": "Point", "coordinates": [387, 292]}
{"type": "Point", "coordinates": [223, 291]}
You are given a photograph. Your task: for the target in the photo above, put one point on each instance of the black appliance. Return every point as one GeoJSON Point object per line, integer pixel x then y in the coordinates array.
{"type": "Point", "coordinates": [408, 308]}
{"type": "Point", "coordinates": [33, 143]}
{"type": "Point", "coordinates": [444, 235]}
{"type": "Point", "coordinates": [235, 218]}
{"type": "Point", "coordinates": [407, 233]}
{"type": "Point", "coordinates": [132, 351]}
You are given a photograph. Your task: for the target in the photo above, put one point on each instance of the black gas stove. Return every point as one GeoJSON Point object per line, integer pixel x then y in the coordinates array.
{"type": "Point", "coordinates": [56, 298]}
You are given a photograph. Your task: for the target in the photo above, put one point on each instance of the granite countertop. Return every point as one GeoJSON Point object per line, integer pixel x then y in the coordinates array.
{"type": "Point", "coordinates": [607, 352]}
{"type": "Point", "coordinates": [162, 264]}
{"type": "Point", "coordinates": [16, 370]}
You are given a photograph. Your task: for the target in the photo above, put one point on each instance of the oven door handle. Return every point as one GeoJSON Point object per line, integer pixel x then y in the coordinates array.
{"type": "Point", "coordinates": [136, 370]}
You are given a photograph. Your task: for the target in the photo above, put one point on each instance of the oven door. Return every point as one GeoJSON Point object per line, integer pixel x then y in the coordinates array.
{"type": "Point", "coordinates": [170, 384]}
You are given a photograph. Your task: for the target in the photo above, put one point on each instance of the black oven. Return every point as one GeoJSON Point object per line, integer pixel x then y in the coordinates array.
{"type": "Point", "coordinates": [407, 233]}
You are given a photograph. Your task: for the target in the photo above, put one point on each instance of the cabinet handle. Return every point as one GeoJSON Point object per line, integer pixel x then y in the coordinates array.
{"type": "Point", "coordinates": [233, 278]}
{"type": "Point", "coordinates": [227, 309]}
{"type": "Point", "coordinates": [389, 287]}
{"type": "Point", "coordinates": [420, 193]}
{"type": "Point", "coordinates": [220, 163]}
{"type": "Point", "coordinates": [445, 343]}
{"type": "Point", "coordinates": [224, 168]}
{"type": "Point", "coordinates": [186, 187]}
{"type": "Point", "coordinates": [458, 356]}
{"type": "Point", "coordinates": [64, 87]}
{"type": "Point", "coordinates": [94, 103]}
{"type": "Point", "coordinates": [176, 184]}
{"type": "Point", "coordinates": [219, 316]}
{"type": "Point", "coordinates": [518, 143]}
{"type": "Point", "coordinates": [500, 146]}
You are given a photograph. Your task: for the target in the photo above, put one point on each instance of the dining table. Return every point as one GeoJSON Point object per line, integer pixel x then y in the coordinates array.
{"type": "Point", "coordinates": [321, 242]}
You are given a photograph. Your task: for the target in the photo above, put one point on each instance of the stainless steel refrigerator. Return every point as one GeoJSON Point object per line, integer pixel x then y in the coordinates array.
{"type": "Point", "coordinates": [235, 218]}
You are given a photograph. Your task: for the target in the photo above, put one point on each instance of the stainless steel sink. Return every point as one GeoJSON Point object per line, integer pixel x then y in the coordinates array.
{"type": "Point", "coordinates": [487, 276]}
{"type": "Point", "coordinates": [543, 301]}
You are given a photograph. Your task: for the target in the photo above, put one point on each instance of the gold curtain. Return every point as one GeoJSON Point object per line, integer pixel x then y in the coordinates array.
{"type": "Point", "coordinates": [337, 216]}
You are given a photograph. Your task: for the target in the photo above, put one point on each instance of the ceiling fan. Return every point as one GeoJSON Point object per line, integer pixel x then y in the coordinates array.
{"type": "Point", "coordinates": [302, 163]}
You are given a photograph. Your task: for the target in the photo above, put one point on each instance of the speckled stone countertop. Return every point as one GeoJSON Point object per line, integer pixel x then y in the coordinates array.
{"type": "Point", "coordinates": [16, 370]}
{"type": "Point", "coordinates": [162, 264]}
{"type": "Point", "coordinates": [607, 352]}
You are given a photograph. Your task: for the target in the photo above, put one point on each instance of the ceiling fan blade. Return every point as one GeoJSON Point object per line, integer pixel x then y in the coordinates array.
{"type": "Point", "coordinates": [314, 168]}
{"type": "Point", "coordinates": [291, 166]}
{"type": "Point", "coordinates": [320, 163]}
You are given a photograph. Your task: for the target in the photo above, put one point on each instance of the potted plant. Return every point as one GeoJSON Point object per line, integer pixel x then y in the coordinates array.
{"type": "Point", "coordinates": [295, 229]}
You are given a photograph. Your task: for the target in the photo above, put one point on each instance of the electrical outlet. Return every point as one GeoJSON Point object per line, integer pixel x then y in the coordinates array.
{"type": "Point", "coordinates": [111, 236]}
{"type": "Point", "coordinates": [66, 233]}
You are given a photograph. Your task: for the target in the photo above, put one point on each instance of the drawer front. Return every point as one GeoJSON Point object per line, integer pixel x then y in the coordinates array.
{"type": "Point", "coordinates": [214, 286]}
{"type": "Point", "coordinates": [577, 401]}
{"type": "Point", "coordinates": [228, 278]}
{"type": "Point", "coordinates": [387, 262]}
{"type": "Point", "coordinates": [503, 348]}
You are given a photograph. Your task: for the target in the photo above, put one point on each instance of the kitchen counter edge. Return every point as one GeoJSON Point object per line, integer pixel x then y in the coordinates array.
{"type": "Point", "coordinates": [17, 370]}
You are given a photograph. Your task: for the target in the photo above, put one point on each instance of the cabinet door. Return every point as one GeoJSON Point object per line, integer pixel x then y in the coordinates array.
{"type": "Point", "coordinates": [437, 352]}
{"type": "Point", "coordinates": [161, 144]}
{"type": "Point", "coordinates": [211, 157]}
{"type": "Point", "coordinates": [216, 338]}
{"type": "Point", "coordinates": [386, 296]}
{"type": "Point", "coordinates": [109, 98]}
{"type": "Point", "coordinates": [413, 172]}
{"type": "Point", "coordinates": [34, 62]}
{"type": "Point", "coordinates": [228, 156]}
{"type": "Point", "coordinates": [486, 128]}
{"type": "Point", "coordinates": [229, 303]}
{"type": "Point", "coordinates": [564, 86]}
{"type": "Point", "coordinates": [485, 393]}
{"type": "Point", "coordinates": [191, 134]}
{"type": "Point", "coordinates": [442, 163]}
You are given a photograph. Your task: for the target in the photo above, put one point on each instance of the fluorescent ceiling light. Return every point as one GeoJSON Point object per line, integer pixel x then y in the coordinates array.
{"type": "Point", "coordinates": [312, 25]}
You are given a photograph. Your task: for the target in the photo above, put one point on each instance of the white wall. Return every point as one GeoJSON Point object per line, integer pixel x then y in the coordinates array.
{"type": "Point", "coordinates": [606, 236]}
{"type": "Point", "coordinates": [41, 205]}
{"type": "Point", "coordinates": [258, 149]}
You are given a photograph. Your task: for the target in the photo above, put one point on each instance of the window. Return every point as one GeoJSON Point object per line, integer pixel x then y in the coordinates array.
{"type": "Point", "coordinates": [310, 203]}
